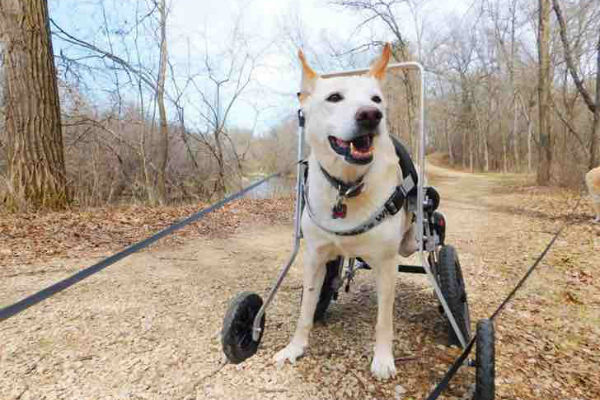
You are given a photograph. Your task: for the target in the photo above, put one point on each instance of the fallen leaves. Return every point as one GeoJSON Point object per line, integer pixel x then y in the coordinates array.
{"type": "Point", "coordinates": [30, 238]}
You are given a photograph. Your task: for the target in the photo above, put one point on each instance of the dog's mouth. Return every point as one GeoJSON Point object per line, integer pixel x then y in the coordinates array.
{"type": "Point", "coordinates": [356, 151]}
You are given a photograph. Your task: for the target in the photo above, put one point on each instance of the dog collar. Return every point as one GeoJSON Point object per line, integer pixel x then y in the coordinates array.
{"type": "Point", "coordinates": [345, 191]}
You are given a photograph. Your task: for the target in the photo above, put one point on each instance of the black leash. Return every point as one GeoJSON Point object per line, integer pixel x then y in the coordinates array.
{"type": "Point", "coordinates": [43, 294]}
{"type": "Point", "coordinates": [461, 359]}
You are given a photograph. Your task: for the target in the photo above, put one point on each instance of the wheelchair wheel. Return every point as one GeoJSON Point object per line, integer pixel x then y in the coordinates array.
{"type": "Point", "coordinates": [236, 338]}
{"type": "Point", "coordinates": [485, 361]}
{"type": "Point", "coordinates": [328, 290]}
{"type": "Point", "coordinates": [452, 284]}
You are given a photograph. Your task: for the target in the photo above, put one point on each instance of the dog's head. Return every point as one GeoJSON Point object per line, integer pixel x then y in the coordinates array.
{"type": "Point", "coordinates": [344, 115]}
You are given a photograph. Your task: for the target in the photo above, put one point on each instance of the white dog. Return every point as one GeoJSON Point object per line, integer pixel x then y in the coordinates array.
{"type": "Point", "coordinates": [346, 130]}
{"type": "Point", "coordinates": [592, 180]}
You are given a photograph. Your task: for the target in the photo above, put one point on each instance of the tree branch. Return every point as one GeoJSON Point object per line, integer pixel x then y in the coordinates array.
{"type": "Point", "coordinates": [569, 58]}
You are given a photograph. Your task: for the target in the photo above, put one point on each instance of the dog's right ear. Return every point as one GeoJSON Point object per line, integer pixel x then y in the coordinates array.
{"type": "Point", "coordinates": [309, 78]}
{"type": "Point", "coordinates": [379, 66]}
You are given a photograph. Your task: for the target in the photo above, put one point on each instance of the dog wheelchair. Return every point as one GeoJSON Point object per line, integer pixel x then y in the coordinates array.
{"type": "Point", "coordinates": [244, 321]}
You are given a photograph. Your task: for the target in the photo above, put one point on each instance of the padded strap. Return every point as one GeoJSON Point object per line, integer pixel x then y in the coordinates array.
{"type": "Point", "coordinates": [406, 163]}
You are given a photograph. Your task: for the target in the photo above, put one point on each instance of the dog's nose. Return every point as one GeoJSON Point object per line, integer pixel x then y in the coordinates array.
{"type": "Point", "coordinates": [368, 117]}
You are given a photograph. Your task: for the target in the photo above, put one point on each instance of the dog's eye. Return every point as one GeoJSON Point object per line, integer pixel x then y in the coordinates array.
{"type": "Point", "coordinates": [334, 98]}
{"type": "Point", "coordinates": [376, 99]}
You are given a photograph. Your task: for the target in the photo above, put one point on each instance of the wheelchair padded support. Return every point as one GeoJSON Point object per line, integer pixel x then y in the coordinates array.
{"type": "Point", "coordinates": [406, 163]}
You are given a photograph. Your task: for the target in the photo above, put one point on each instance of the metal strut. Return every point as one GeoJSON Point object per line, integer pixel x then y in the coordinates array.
{"type": "Point", "coordinates": [297, 231]}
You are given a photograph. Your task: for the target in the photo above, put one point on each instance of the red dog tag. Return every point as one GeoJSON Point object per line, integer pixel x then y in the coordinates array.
{"type": "Point", "coordinates": [339, 211]}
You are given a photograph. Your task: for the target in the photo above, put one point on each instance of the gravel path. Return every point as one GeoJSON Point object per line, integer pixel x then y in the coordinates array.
{"type": "Point", "coordinates": [148, 327]}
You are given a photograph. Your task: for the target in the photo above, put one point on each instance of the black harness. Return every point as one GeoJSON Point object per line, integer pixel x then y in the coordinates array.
{"type": "Point", "coordinates": [392, 205]}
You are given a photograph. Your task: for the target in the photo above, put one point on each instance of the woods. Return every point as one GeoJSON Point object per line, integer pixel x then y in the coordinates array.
{"type": "Point", "coordinates": [148, 116]}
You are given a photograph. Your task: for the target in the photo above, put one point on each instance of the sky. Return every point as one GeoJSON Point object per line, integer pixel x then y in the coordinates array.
{"type": "Point", "coordinates": [268, 30]}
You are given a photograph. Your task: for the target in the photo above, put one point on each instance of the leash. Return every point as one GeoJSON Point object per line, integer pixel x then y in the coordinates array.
{"type": "Point", "coordinates": [22, 305]}
{"type": "Point", "coordinates": [463, 356]}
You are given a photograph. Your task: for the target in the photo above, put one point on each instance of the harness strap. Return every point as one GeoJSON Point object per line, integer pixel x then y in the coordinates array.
{"type": "Point", "coordinates": [391, 207]}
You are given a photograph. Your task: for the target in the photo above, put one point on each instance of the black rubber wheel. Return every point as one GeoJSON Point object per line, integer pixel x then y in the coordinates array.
{"type": "Point", "coordinates": [328, 290]}
{"type": "Point", "coordinates": [236, 337]}
{"type": "Point", "coordinates": [485, 361]}
{"type": "Point", "coordinates": [452, 285]}
{"type": "Point", "coordinates": [434, 198]}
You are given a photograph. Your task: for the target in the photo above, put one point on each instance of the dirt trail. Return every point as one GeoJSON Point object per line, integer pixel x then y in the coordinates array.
{"type": "Point", "coordinates": [148, 327]}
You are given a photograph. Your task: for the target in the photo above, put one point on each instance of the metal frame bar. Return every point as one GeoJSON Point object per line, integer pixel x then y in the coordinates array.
{"type": "Point", "coordinates": [297, 230]}
{"type": "Point", "coordinates": [420, 202]}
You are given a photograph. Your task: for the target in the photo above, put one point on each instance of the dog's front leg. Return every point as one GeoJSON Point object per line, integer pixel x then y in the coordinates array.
{"type": "Point", "coordinates": [596, 201]}
{"type": "Point", "coordinates": [314, 274]}
{"type": "Point", "coordinates": [383, 366]}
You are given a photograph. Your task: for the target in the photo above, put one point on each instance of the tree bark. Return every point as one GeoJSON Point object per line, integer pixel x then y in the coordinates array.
{"type": "Point", "coordinates": [36, 164]}
{"type": "Point", "coordinates": [545, 143]}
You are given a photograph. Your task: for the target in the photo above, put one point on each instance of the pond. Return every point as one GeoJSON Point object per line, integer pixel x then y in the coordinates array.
{"type": "Point", "coordinates": [279, 186]}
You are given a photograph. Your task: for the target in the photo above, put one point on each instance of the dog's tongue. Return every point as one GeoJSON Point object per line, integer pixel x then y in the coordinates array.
{"type": "Point", "coordinates": [362, 144]}
{"type": "Point", "coordinates": [341, 143]}
{"type": "Point", "coordinates": [361, 148]}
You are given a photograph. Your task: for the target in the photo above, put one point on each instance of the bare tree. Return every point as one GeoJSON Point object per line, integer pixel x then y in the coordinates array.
{"type": "Point", "coordinates": [162, 111]}
{"type": "Point", "coordinates": [225, 79]}
{"type": "Point", "coordinates": [145, 80]}
{"type": "Point", "coordinates": [592, 105]}
{"type": "Point", "coordinates": [544, 81]}
{"type": "Point", "coordinates": [36, 165]}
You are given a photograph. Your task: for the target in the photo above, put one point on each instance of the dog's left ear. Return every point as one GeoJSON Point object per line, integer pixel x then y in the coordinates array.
{"type": "Point", "coordinates": [379, 66]}
{"type": "Point", "coordinates": [309, 78]}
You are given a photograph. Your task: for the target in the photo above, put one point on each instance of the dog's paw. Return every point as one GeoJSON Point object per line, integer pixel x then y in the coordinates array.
{"type": "Point", "coordinates": [290, 353]}
{"type": "Point", "coordinates": [383, 366]}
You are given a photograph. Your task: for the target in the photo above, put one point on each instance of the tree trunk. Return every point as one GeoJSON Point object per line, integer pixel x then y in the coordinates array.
{"type": "Point", "coordinates": [513, 85]}
{"type": "Point", "coordinates": [515, 136]}
{"type": "Point", "coordinates": [545, 142]}
{"type": "Point", "coordinates": [449, 141]}
{"type": "Point", "coordinates": [463, 154]}
{"type": "Point", "coordinates": [163, 153]}
{"type": "Point", "coordinates": [593, 163]}
{"type": "Point", "coordinates": [36, 164]}
{"type": "Point", "coordinates": [504, 150]}
{"type": "Point", "coordinates": [471, 156]}
{"type": "Point", "coordinates": [486, 154]}
{"type": "Point", "coordinates": [529, 142]}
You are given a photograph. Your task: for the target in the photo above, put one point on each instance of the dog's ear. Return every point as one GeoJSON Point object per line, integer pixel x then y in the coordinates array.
{"type": "Point", "coordinates": [309, 78]}
{"type": "Point", "coordinates": [379, 66]}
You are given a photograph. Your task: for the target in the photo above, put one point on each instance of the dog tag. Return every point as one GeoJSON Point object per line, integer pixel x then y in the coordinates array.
{"type": "Point", "coordinates": [339, 211]}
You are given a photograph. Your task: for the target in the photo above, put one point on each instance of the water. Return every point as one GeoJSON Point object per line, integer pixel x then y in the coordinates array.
{"type": "Point", "coordinates": [279, 186]}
